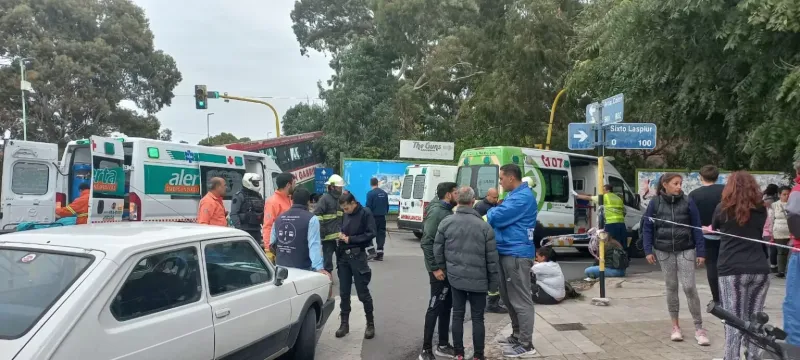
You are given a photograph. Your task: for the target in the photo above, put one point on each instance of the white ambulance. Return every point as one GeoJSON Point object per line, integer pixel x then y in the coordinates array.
{"type": "Point", "coordinates": [418, 190]}
{"type": "Point", "coordinates": [131, 179]}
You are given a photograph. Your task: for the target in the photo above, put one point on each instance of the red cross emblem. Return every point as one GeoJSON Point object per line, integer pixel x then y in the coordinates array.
{"type": "Point", "coordinates": [94, 146]}
{"type": "Point", "coordinates": [230, 159]}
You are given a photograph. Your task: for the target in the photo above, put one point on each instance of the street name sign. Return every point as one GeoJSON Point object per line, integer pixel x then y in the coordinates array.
{"type": "Point", "coordinates": [631, 136]}
{"type": "Point", "coordinates": [613, 109]}
{"type": "Point", "coordinates": [581, 136]}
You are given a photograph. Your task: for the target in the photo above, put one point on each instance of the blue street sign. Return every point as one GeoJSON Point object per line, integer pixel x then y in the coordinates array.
{"type": "Point", "coordinates": [631, 136]}
{"type": "Point", "coordinates": [593, 113]}
{"type": "Point", "coordinates": [321, 175]}
{"type": "Point", "coordinates": [581, 136]}
{"type": "Point", "coordinates": [613, 109]}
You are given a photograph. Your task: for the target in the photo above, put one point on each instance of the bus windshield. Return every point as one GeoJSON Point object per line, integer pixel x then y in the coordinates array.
{"type": "Point", "coordinates": [480, 178]}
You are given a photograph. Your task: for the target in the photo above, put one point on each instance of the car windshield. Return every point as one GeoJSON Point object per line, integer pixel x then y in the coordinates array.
{"type": "Point", "coordinates": [33, 281]}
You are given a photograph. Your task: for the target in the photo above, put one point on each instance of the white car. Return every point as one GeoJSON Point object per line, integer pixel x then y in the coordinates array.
{"type": "Point", "coordinates": [153, 291]}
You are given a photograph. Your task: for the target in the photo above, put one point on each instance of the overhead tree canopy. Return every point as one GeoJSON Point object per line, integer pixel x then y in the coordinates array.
{"type": "Point", "coordinates": [89, 55]}
{"type": "Point", "coordinates": [222, 139]}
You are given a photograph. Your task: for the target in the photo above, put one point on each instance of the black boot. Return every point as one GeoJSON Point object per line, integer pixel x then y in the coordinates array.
{"type": "Point", "coordinates": [369, 333]}
{"type": "Point", "coordinates": [493, 305]}
{"type": "Point", "coordinates": [344, 328]}
{"type": "Point", "coordinates": [379, 256]}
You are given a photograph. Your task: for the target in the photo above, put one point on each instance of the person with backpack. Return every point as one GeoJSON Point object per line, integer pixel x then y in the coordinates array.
{"type": "Point", "coordinates": [247, 207]}
{"type": "Point", "coordinates": [617, 261]}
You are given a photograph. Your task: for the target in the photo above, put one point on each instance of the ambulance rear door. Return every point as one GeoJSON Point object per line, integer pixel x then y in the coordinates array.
{"type": "Point", "coordinates": [107, 195]}
{"type": "Point", "coordinates": [29, 181]}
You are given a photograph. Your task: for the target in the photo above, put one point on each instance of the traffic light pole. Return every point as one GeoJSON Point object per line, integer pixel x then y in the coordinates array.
{"type": "Point", "coordinates": [274, 112]}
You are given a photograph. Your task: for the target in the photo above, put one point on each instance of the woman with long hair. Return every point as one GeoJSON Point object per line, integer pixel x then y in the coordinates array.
{"type": "Point", "coordinates": [675, 238]}
{"type": "Point", "coordinates": [742, 266]}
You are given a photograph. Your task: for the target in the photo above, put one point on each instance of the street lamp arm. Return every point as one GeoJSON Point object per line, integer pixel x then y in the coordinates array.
{"type": "Point", "coordinates": [275, 112]}
{"type": "Point", "coordinates": [552, 117]}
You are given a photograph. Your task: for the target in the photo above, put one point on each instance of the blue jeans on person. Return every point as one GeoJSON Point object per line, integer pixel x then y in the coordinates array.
{"type": "Point", "coordinates": [594, 272]}
{"type": "Point", "coordinates": [619, 232]}
{"type": "Point", "coordinates": [791, 303]}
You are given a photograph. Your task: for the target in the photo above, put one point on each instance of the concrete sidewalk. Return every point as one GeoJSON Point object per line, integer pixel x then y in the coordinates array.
{"type": "Point", "coordinates": [635, 326]}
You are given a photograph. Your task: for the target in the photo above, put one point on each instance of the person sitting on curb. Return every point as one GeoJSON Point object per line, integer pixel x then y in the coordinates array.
{"type": "Point", "coordinates": [616, 262]}
{"type": "Point", "coordinates": [547, 278]}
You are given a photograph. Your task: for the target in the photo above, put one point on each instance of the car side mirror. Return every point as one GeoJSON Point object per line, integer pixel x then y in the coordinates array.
{"type": "Point", "coordinates": [281, 274]}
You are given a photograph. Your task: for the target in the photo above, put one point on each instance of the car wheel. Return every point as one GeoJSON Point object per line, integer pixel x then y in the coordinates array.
{"type": "Point", "coordinates": [418, 234]}
{"type": "Point", "coordinates": [306, 345]}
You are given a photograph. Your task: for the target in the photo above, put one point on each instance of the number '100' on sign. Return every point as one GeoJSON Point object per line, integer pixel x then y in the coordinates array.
{"type": "Point", "coordinates": [631, 136]}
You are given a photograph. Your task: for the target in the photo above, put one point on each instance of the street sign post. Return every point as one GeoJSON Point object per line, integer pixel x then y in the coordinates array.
{"type": "Point", "coordinates": [631, 136]}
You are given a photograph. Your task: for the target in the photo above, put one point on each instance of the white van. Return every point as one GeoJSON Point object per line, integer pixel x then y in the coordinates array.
{"type": "Point", "coordinates": [131, 179]}
{"type": "Point", "coordinates": [555, 174]}
{"type": "Point", "coordinates": [418, 190]}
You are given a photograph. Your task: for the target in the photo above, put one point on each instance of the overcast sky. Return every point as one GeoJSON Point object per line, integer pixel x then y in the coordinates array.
{"type": "Point", "coordinates": [246, 48]}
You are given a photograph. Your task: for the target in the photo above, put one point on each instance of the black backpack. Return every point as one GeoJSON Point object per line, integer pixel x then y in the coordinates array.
{"type": "Point", "coordinates": [618, 259]}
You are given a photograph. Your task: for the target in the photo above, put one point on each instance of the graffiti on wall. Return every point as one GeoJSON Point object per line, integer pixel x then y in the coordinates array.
{"type": "Point", "coordinates": [647, 181]}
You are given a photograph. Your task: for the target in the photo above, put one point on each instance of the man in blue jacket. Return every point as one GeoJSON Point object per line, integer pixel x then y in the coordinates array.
{"type": "Point", "coordinates": [378, 203]}
{"type": "Point", "coordinates": [513, 221]}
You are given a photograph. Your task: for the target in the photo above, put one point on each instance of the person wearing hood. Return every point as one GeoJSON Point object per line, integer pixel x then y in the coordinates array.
{"type": "Point", "coordinates": [675, 239]}
{"type": "Point", "coordinates": [791, 303]}
{"type": "Point", "coordinates": [742, 267]}
{"type": "Point", "coordinates": [330, 214]}
{"type": "Point", "coordinates": [357, 231]}
{"type": "Point", "coordinates": [247, 207]}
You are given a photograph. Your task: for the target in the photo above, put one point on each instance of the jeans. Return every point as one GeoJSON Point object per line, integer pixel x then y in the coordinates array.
{"type": "Point", "coordinates": [781, 254]}
{"type": "Point", "coordinates": [354, 269]}
{"type": "Point", "coordinates": [712, 256]}
{"type": "Point", "coordinates": [515, 290]}
{"type": "Point", "coordinates": [594, 272]}
{"type": "Point", "coordinates": [328, 248]}
{"type": "Point", "coordinates": [619, 232]}
{"type": "Point", "coordinates": [477, 304]}
{"type": "Point", "coordinates": [439, 306]}
{"type": "Point", "coordinates": [380, 237]}
{"type": "Point", "coordinates": [791, 303]}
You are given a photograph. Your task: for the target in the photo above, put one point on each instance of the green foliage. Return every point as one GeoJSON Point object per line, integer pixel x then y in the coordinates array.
{"type": "Point", "coordinates": [89, 56]}
{"type": "Point", "coordinates": [222, 139]}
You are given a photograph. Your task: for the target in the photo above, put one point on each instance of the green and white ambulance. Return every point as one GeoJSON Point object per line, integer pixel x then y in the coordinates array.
{"type": "Point", "coordinates": [554, 174]}
{"type": "Point", "coordinates": [132, 179]}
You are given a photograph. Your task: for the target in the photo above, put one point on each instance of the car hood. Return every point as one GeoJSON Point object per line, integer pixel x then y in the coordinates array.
{"type": "Point", "coordinates": [305, 281]}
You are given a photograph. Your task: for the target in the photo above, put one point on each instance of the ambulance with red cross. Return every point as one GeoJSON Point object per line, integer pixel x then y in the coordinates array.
{"type": "Point", "coordinates": [131, 179]}
{"type": "Point", "coordinates": [555, 176]}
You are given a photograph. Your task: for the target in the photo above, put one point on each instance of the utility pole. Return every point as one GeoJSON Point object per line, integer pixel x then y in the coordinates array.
{"type": "Point", "coordinates": [208, 126]}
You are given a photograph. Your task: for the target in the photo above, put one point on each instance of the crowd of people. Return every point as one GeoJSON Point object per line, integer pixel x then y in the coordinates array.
{"type": "Point", "coordinates": [484, 253]}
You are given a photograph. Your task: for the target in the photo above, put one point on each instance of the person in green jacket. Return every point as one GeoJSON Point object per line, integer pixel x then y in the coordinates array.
{"type": "Point", "coordinates": [441, 301]}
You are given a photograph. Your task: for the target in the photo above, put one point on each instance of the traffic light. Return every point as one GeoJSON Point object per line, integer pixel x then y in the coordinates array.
{"type": "Point", "coordinates": [200, 97]}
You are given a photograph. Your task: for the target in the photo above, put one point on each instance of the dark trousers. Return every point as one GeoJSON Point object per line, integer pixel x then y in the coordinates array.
{"type": "Point", "coordinates": [256, 234]}
{"type": "Point", "coordinates": [328, 248]}
{"type": "Point", "coordinates": [542, 297]}
{"type": "Point", "coordinates": [477, 304]}
{"type": "Point", "coordinates": [380, 226]}
{"type": "Point", "coordinates": [619, 232]}
{"type": "Point", "coordinates": [353, 269]}
{"type": "Point", "coordinates": [439, 306]}
{"type": "Point", "coordinates": [712, 257]}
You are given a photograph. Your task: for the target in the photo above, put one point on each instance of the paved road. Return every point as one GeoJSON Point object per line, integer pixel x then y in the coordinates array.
{"type": "Point", "coordinates": [400, 290]}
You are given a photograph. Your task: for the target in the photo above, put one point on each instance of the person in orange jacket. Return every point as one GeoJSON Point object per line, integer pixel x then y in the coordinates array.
{"type": "Point", "coordinates": [212, 210]}
{"type": "Point", "coordinates": [277, 204]}
{"type": "Point", "coordinates": [78, 207]}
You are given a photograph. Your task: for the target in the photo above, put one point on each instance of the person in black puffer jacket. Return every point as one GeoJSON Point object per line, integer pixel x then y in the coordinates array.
{"type": "Point", "coordinates": [358, 230]}
{"type": "Point", "coordinates": [678, 245]}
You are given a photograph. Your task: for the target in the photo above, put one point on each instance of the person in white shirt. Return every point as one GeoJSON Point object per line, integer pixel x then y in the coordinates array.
{"type": "Point", "coordinates": [549, 286]}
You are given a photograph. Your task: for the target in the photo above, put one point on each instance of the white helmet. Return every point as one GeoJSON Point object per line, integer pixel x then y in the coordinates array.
{"type": "Point", "coordinates": [530, 181]}
{"type": "Point", "coordinates": [335, 180]}
{"type": "Point", "coordinates": [252, 181]}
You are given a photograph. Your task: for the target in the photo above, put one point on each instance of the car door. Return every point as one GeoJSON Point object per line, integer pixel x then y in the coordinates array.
{"type": "Point", "coordinates": [251, 314]}
{"type": "Point", "coordinates": [107, 195]}
{"type": "Point", "coordinates": [29, 182]}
